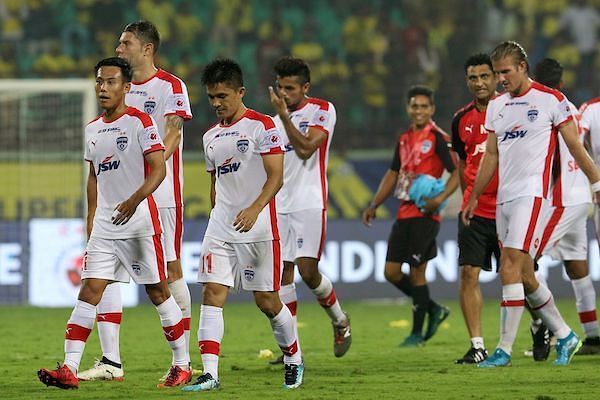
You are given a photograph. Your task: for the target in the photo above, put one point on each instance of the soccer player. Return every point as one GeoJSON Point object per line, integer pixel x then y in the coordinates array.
{"type": "Point", "coordinates": [244, 156]}
{"type": "Point", "coordinates": [422, 150]}
{"type": "Point", "coordinates": [163, 96]}
{"type": "Point", "coordinates": [306, 124]}
{"type": "Point", "coordinates": [478, 241]}
{"type": "Point", "coordinates": [127, 164]}
{"type": "Point", "coordinates": [522, 125]}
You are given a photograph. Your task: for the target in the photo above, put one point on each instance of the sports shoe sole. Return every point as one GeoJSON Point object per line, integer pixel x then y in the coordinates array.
{"type": "Point", "coordinates": [49, 380]}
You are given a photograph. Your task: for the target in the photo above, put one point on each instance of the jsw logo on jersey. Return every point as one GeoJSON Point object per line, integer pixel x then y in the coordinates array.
{"type": "Point", "coordinates": [107, 164]}
{"type": "Point", "coordinates": [228, 167]}
{"type": "Point", "coordinates": [514, 133]}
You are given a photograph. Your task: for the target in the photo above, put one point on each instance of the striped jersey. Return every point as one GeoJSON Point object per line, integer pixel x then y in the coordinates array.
{"type": "Point", "coordinates": [116, 150]}
{"type": "Point", "coordinates": [162, 95]}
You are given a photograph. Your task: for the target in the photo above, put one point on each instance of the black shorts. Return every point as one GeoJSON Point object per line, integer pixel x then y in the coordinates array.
{"type": "Point", "coordinates": [412, 241]}
{"type": "Point", "coordinates": [477, 242]}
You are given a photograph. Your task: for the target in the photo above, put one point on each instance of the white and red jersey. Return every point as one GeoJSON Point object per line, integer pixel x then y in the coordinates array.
{"type": "Point", "coordinates": [526, 127]}
{"type": "Point", "coordinates": [117, 152]}
{"type": "Point", "coordinates": [162, 95]}
{"type": "Point", "coordinates": [590, 122]}
{"type": "Point", "coordinates": [571, 186]}
{"type": "Point", "coordinates": [234, 154]}
{"type": "Point", "coordinates": [305, 181]}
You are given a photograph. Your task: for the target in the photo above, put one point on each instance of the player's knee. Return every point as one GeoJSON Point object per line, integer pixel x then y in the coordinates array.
{"type": "Point", "coordinates": [158, 293]}
{"type": "Point", "coordinates": [268, 303]}
{"type": "Point", "coordinates": [310, 275]}
{"type": "Point", "coordinates": [174, 271]}
{"type": "Point", "coordinates": [392, 274]}
{"type": "Point", "coordinates": [469, 276]}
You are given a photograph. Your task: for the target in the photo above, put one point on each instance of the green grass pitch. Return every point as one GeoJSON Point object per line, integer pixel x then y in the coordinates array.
{"type": "Point", "coordinates": [374, 368]}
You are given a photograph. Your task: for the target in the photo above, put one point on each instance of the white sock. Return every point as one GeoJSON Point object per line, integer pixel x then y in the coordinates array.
{"type": "Point", "coordinates": [477, 342]}
{"type": "Point", "coordinates": [108, 314]}
{"type": "Point", "coordinates": [288, 296]}
{"type": "Point", "coordinates": [326, 297]}
{"type": "Point", "coordinates": [181, 292]}
{"type": "Point", "coordinates": [170, 319]}
{"type": "Point", "coordinates": [542, 302]}
{"type": "Point", "coordinates": [585, 299]}
{"type": "Point", "coordinates": [285, 336]}
{"type": "Point", "coordinates": [511, 310]}
{"type": "Point", "coordinates": [210, 333]}
{"type": "Point", "coordinates": [78, 330]}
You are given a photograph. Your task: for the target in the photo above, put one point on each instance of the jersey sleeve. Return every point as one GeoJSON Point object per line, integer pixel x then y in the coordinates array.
{"type": "Point", "coordinates": [324, 118]}
{"type": "Point", "coordinates": [178, 102]}
{"type": "Point", "coordinates": [457, 143]}
{"type": "Point", "coordinates": [268, 141]}
{"type": "Point", "coordinates": [442, 149]}
{"type": "Point", "coordinates": [490, 117]}
{"type": "Point", "coordinates": [561, 111]}
{"type": "Point", "coordinates": [585, 121]}
{"type": "Point", "coordinates": [395, 165]}
{"type": "Point", "coordinates": [87, 151]}
{"type": "Point", "coordinates": [149, 138]}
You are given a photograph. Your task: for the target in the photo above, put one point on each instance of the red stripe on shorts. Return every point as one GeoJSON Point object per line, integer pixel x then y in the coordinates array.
{"type": "Point", "coordinates": [160, 257]}
{"type": "Point", "coordinates": [549, 230]}
{"type": "Point", "coordinates": [535, 214]}
{"type": "Point", "coordinates": [323, 231]}
{"type": "Point", "coordinates": [276, 265]}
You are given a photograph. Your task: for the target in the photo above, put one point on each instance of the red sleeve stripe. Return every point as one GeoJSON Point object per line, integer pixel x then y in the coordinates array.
{"type": "Point", "coordinates": [323, 104]}
{"type": "Point", "coordinates": [145, 119]}
{"type": "Point", "coordinates": [556, 93]}
{"type": "Point", "coordinates": [274, 150]}
{"type": "Point", "coordinates": [319, 127]}
{"type": "Point", "coordinates": [264, 119]}
{"type": "Point", "coordinates": [569, 118]}
{"type": "Point", "coordinates": [155, 147]}
{"type": "Point", "coordinates": [181, 113]}
{"type": "Point", "coordinates": [589, 103]}
{"type": "Point", "coordinates": [172, 79]}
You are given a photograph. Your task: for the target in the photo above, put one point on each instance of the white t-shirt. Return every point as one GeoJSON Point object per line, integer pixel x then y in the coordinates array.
{"type": "Point", "coordinates": [572, 186]}
{"type": "Point", "coordinates": [305, 181]}
{"type": "Point", "coordinates": [116, 150]}
{"type": "Point", "coordinates": [162, 95]}
{"type": "Point", "coordinates": [234, 153]}
{"type": "Point", "coordinates": [526, 129]}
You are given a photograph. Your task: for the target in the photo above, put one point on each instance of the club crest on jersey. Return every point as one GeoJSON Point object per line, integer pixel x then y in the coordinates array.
{"type": "Point", "coordinates": [426, 146]}
{"type": "Point", "coordinates": [149, 106]}
{"type": "Point", "coordinates": [122, 143]}
{"type": "Point", "coordinates": [532, 115]}
{"type": "Point", "coordinates": [242, 145]}
{"type": "Point", "coordinates": [249, 274]}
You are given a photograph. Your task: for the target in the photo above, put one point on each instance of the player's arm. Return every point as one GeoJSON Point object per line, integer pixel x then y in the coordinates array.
{"type": "Point", "coordinates": [158, 170]}
{"type": "Point", "coordinates": [213, 191]}
{"type": "Point", "coordinates": [485, 173]}
{"type": "Point", "coordinates": [304, 146]}
{"type": "Point", "coordinates": [570, 135]}
{"type": "Point", "coordinates": [273, 164]}
{"type": "Point", "coordinates": [443, 152]}
{"type": "Point", "coordinates": [173, 127]}
{"type": "Point", "coordinates": [458, 145]}
{"type": "Point", "coordinates": [462, 165]}
{"type": "Point", "coordinates": [384, 190]}
{"type": "Point", "coordinates": [92, 199]}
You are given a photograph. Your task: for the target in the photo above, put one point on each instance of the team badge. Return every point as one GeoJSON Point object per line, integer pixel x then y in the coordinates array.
{"type": "Point", "coordinates": [426, 146]}
{"type": "Point", "coordinates": [242, 145]}
{"type": "Point", "coordinates": [122, 143]}
{"type": "Point", "coordinates": [149, 106]}
{"type": "Point", "coordinates": [300, 242]}
{"type": "Point", "coordinates": [248, 274]}
{"type": "Point", "coordinates": [532, 115]}
{"type": "Point", "coordinates": [136, 268]}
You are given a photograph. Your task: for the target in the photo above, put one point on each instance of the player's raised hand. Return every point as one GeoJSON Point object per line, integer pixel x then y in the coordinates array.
{"type": "Point", "coordinates": [245, 219]}
{"type": "Point", "coordinates": [124, 211]}
{"type": "Point", "coordinates": [277, 102]}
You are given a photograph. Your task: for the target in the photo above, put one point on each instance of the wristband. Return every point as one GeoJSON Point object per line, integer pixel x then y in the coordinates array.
{"type": "Point", "coordinates": [596, 187]}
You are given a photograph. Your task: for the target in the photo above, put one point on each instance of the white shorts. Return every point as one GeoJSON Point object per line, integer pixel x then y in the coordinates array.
{"type": "Point", "coordinates": [172, 222]}
{"type": "Point", "coordinates": [117, 259]}
{"type": "Point", "coordinates": [252, 266]}
{"type": "Point", "coordinates": [565, 235]}
{"type": "Point", "coordinates": [521, 222]}
{"type": "Point", "coordinates": [302, 233]}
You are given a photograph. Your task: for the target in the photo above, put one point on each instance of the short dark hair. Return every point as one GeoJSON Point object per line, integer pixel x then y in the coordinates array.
{"type": "Point", "coordinates": [420, 90]}
{"type": "Point", "coordinates": [291, 66]}
{"type": "Point", "coordinates": [126, 70]}
{"type": "Point", "coordinates": [146, 32]}
{"type": "Point", "coordinates": [223, 70]}
{"type": "Point", "coordinates": [510, 48]}
{"type": "Point", "coordinates": [478, 59]}
{"type": "Point", "coordinates": [549, 72]}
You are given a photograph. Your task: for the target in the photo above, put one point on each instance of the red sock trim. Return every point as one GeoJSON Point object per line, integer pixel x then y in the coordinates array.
{"type": "Point", "coordinates": [290, 350]}
{"type": "Point", "coordinates": [186, 323]}
{"type": "Point", "coordinates": [209, 347]}
{"type": "Point", "coordinates": [587, 316]}
{"type": "Point", "coordinates": [293, 306]}
{"type": "Point", "coordinates": [114, 317]}
{"type": "Point", "coordinates": [329, 300]}
{"type": "Point", "coordinates": [77, 332]}
{"type": "Point", "coordinates": [538, 307]}
{"type": "Point", "coordinates": [513, 303]}
{"type": "Point", "coordinates": [174, 332]}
